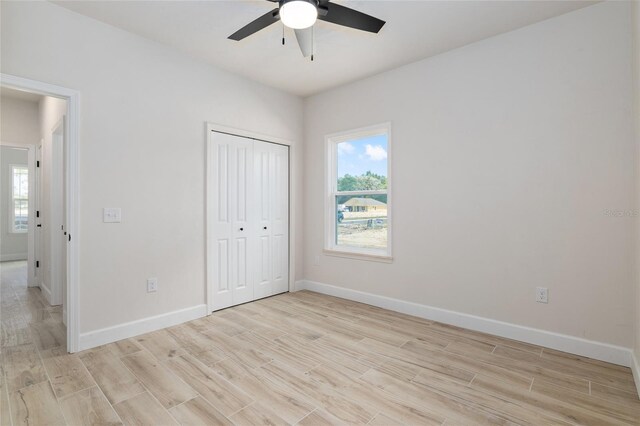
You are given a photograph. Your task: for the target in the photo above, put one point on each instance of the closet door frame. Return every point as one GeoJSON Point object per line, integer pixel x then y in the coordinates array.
{"type": "Point", "coordinates": [210, 170]}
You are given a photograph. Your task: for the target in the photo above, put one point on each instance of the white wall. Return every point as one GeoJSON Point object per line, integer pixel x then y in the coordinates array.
{"type": "Point", "coordinates": [507, 153]}
{"type": "Point", "coordinates": [18, 121]}
{"type": "Point", "coordinates": [13, 246]}
{"type": "Point", "coordinates": [142, 148]}
{"type": "Point", "coordinates": [52, 111]}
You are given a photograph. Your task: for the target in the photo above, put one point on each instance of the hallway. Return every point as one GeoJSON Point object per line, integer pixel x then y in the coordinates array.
{"type": "Point", "coordinates": [31, 331]}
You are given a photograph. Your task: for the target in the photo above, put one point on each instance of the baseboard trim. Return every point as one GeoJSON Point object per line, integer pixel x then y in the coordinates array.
{"type": "Point", "coordinates": [597, 350]}
{"type": "Point", "coordinates": [134, 328]}
{"type": "Point", "coordinates": [46, 293]}
{"type": "Point", "coordinates": [635, 368]}
{"type": "Point", "coordinates": [13, 256]}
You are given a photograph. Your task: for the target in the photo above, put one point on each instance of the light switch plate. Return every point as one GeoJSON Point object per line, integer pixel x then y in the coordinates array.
{"type": "Point", "coordinates": [111, 215]}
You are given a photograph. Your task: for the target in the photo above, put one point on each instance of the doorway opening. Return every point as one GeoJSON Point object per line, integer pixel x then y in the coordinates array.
{"type": "Point", "coordinates": [38, 268]}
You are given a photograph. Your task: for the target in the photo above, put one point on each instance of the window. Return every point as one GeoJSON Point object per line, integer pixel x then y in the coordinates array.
{"type": "Point", "coordinates": [358, 213]}
{"type": "Point", "coordinates": [19, 207]}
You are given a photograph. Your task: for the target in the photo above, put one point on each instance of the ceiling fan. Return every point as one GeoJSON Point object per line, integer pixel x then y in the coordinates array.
{"type": "Point", "coordinates": [300, 15]}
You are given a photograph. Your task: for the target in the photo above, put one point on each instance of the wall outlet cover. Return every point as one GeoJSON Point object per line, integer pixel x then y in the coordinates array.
{"type": "Point", "coordinates": [111, 215]}
{"type": "Point", "coordinates": [542, 295]}
{"type": "Point", "coordinates": [152, 285]}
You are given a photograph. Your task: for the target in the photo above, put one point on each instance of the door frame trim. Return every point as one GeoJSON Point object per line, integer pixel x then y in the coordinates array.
{"type": "Point", "coordinates": [73, 197]}
{"type": "Point", "coordinates": [213, 127]}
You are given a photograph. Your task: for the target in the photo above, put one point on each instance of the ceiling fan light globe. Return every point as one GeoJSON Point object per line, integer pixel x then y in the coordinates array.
{"type": "Point", "coordinates": [298, 14]}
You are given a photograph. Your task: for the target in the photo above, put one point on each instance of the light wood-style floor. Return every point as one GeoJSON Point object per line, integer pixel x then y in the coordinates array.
{"type": "Point", "coordinates": [301, 358]}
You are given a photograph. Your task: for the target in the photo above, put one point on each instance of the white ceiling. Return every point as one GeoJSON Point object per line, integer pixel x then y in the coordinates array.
{"type": "Point", "coordinates": [414, 30]}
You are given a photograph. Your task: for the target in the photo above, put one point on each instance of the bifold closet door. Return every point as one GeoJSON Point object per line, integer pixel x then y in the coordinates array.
{"type": "Point", "coordinates": [271, 177]}
{"type": "Point", "coordinates": [230, 242]}
{"type": "Point", "coordinates": [247, 220]}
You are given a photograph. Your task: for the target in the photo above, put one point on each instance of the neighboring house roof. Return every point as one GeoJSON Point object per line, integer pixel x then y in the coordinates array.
{"type": "Point", "coordinates": [364, 202]}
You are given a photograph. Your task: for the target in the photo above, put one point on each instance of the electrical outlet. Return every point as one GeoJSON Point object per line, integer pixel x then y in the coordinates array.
{"type": "Point", "coordinates": [152, 285]}
{"type": "Point", "coordinates": [111, 215]}
{"type": "Point", "coordinates": [542, 295]}
{"type": "Point", "coordinates": [316, 261]}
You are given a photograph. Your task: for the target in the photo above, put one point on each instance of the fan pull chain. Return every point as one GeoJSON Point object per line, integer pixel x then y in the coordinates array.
{"type": "Point", "coordinates": [283, 34]}
{"type": "Point", "coordinates": [312, 43]}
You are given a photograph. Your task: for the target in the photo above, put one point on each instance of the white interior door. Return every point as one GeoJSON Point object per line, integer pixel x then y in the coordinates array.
{"type": "Point", "coordinates": [229, 242]}
{"type": "Point", "coordinates": [271, 165]}
{"type": "Point", "coordinates": [247, 220]}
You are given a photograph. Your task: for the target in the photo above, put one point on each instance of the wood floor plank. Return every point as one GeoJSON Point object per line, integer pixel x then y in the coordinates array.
{"type": "Point", "coordinates": [622, 413]}
{"type": "Point", "coordinates": [320, 417]}
{"type": "Point", "coordinates": [161, 344]}
{"type": "Point", "coordinates": [115, 380]}
{"type": "Point", "coordinates": [449, 400]}
{"type": "Point", "coordinates": [5, 411]}
{"type": "Point", "coordinates": [288, 404]}
{"type": "Point", "coordinates": [396, 406]}
{"type": "Point", "coordinates": [588, 371]}
{"type": "Point", "coordinates": [195, 341]}
{"type": "Point", "coordinates": [143, 410]}
{"type": "Point", "coordinates": [426, 356]}
{"type": "Point", "coordinates": [615, 395]}
{"type": "Point", "coordinates": [554, 408]}
{"type": "Point", "coordinates": [577, 359]}
{"type": "Point", "coordinates": [241, 319]}
{"type": "Point", "coordinates": [299, 359]}
{"type": "Point", "coordinates": [23, 366]}
{"type": "Point", "coordinates": [35, 405]}
{"type": "Point", "coordinates": [66, 372]}
{"type": "Point", "coordinates": [48, 334]}
{"type": "Point", "coordinates": [220, 393]}
{"type": "Point", "coordinates": [230, 369]}
{"type": "Point", "coordinates": [332, 401]}
{"type": "Point", "coordinates": [384, 420]}
{"type": "Point", "coordinates": [198, 411]}
{"type": "Point", "coordinates": [165, 386]}
{"type": "Point", "coordinates": [89, 407]}
{"type": "Point", "coordinates": [257, 414]}
{"type": "Point", "coordinates": [15, 332]}
{"type": "Point", "coordinates": [124, 347]}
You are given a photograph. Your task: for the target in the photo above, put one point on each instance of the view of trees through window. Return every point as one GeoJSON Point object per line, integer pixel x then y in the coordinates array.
{"type": "Point", "coordinates": [361, 193]}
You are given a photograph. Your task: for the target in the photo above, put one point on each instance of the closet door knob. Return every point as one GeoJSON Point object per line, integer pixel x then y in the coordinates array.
{"type": "Point", "coordinates": [265, 227]}
{"type": "Point", "coordinates": [242, 229]}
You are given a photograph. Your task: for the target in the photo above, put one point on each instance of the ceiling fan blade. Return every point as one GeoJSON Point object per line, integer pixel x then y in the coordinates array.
{"type": "Point", "coordinates": [305, 41]}
{"type": "Point", "coordinates": [337, 14]}
{"type": "Point", "coordinates": [253, 27]}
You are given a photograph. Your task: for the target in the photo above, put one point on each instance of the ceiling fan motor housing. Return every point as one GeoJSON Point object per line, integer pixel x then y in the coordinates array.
{"type": "Point", "coordinates": [298, 14]}
{"type": "Point", "coordinates": [313, 2]}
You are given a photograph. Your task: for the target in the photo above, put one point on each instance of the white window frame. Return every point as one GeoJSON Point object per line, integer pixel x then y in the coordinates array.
{"type": "Point", "coordinates": [12, 207]}
{"type": "Point", "coordinates": [331, 191]}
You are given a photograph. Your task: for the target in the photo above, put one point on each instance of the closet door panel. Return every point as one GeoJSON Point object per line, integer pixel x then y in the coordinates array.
{"type": "Point", "coordinates": [243, 230]}
{"type": "Point", "coordinates": [280, 220]}
{"type": "Point", "coordinates": [231, 250]}
{"type": "Point", "coordinates": [221, 212]}
{"type": "Point", "coordinates": [263, 199]}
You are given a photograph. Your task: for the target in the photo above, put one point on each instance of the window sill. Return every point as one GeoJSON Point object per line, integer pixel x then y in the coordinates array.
{"type": "Point", "coordinates": [359, 256]}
